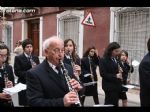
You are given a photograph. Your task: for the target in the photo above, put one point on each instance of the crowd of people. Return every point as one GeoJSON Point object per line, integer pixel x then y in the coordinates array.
{"type": "Point", "coordinates": [63, 79]}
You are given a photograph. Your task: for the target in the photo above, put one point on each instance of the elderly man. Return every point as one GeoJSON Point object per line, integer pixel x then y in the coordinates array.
{"type": "Point", "coordinates": [46, 85]}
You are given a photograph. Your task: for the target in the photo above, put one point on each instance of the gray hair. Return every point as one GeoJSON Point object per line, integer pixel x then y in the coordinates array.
{"type": "Point", "coordinates": [49, 41]}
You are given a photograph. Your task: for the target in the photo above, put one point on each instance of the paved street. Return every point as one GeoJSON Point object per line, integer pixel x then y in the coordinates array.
{"type": "Point", "coordinates": [89, 102]}
{"type": "Point", "coordinates": [132, 95]}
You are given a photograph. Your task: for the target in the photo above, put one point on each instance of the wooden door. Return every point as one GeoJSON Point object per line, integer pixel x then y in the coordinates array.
{"type": "Point", "coordinates": [33, 34]}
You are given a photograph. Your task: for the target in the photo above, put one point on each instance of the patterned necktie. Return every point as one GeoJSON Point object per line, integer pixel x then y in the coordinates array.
{"type": "Point", "coordinates": [60, 74]}
{"type": "Point", "coordinates": [59, 70]}
{"type": "Point", "coordinates": [28, 58]}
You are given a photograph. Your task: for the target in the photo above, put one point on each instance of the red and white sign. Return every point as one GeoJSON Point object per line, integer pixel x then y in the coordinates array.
{"type": "Point", "coordinates": [88, 20]}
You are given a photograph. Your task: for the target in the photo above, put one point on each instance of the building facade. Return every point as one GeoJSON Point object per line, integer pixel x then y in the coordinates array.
{"type": "Point", "coordinates": [127, 25]}
{"type": "Point", "coordinates": [39, 23]}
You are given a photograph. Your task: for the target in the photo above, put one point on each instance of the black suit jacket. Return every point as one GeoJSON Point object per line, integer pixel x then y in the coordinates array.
{"type": "Point", "coordinates": [45, 87]}
{"type": "Point", "coordinates": [126, 69]}
{"type": "Point", "coordinates": [9, 71]}
{"type": "Point", "coordinates": [85, 67]}
{"type": "Point", "coordinates": [144, 76]}
{"type": "Point", "coordinates": [68, 61]}
{"type": "Point", "coordinates": [108, 71]}
{"type": "Point", "coordinates": [21, 65]}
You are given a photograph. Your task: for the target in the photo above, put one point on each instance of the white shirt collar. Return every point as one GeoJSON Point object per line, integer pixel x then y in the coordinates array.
{"type": "Point", "coordinates": [53, 66]}
{"type": "Point", "coordinates": [1, 67]}
{"type": "Point", "coordinates": [67, 56]}
{"type": "Point", "coordinates": [26, 55]}
{"type": "Point", "coordinates": [114, 59]}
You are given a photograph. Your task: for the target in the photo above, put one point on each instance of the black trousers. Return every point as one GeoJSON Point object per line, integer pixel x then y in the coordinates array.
{"type": "Point", "coordinates": [145, 99]}
{"type": "Point", "coordinates": [91, 91]}
{"type": "Point", "coordinates": [111, 98]}
{"type": "Point", "coordinates": [95, 98]}
{"type": "Point", "coordinates": [6, 104]}
{"type": "Point", "coordinates": [22, 98]}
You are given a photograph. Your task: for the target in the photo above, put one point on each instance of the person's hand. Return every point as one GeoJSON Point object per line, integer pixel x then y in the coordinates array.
{"type": "Point", "coordinates": [119, 76]}
{"type": "Point", "coordinates": [70, 98]}
{"type": "Point", "coordinates": [128, 81]}
{"type": "Point", "coordinates": [75, 85]}
{"type": "Point", "coordinates": [9, 84]}
{"type": "Point", "coordinates": [128, 62]}
{"type": "Point", "coordinates": [5, 96]}
{"type": "Point", "coordinates": [33, 64]}
{"type": "Point", "coordinates": [77, 69]}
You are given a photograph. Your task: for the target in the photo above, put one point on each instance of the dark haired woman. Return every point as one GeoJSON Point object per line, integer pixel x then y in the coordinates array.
{"type": "Point", "coordinates": [71, 56]}
{"type": "Point", "coordinates": [127, 68]}
{"type": "Point", "coordinates": [6, 76]}
{"type": "Point", "coordinates": [111, 75]}
{"type": "Point", "coordinates": [89, 63]}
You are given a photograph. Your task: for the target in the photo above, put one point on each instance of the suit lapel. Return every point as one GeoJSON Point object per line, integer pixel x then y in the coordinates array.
{"type": "Point", "coordinates": [34, 58]}
{"type": "Point", "coordinates": [113, 65]}
{"type": "Point", "coordinates": [24, 58]}
{"type": "Point", "coordinates": [59, 81]}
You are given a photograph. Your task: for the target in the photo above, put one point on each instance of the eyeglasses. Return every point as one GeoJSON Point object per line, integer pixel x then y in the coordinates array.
{"type": "Point", "coordinates": [58, 50]}
{"type": "Point", "coordinates": [3, 55]}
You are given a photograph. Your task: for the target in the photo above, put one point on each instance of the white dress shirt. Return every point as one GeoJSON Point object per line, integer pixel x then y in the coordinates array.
{"type": "Point", "coordinates": [53, 67]}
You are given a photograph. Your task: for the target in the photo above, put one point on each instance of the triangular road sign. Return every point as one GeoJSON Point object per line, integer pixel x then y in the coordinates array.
{"type": "Point", "coordinates": [88, 20]}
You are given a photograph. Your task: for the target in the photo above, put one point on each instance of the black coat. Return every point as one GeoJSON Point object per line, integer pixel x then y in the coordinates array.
{"type": "Point", "coordinates": [77, 62]}
{"type": "Point", "coordinates": [45, 87]}
{"type": "Point", "coordinates": [126, 69]}
{"type": "Point", "coordinates": [90, 90]}
{"type": "Point", "coordinates": [68, 61]}
{"type": "Point", "coordinates": [85, 67]}
{"type": "Point", "coordinates": [144, 76]}
{"type": "Point", "coordinates": [21, 65]}
{"type": "Point", "coordinates": [108, 71]}
{"type": "Point", "coordinates": [9, 71]}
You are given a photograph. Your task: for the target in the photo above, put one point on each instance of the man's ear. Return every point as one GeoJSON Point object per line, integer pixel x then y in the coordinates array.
{"type": "Point", "coordinates": [45, 52]}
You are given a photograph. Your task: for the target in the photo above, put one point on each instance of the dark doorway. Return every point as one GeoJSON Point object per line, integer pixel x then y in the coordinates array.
{"type": "Point", "coordinates": [33, 34]}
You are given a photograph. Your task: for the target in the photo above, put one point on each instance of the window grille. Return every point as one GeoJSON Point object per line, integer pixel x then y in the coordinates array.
{"type": "Point", "coordinates": [132, 32]}
{"type": "Point", "coordinates": [8, 35]}
{"type": "Point", "coordinates": [69, 28]}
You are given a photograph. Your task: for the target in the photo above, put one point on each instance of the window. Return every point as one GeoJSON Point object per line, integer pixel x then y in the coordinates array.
{"type": "Point", "coordinates": [69, 26]}
{"type": "Point", "coordinates": [7, 35]}
{"type": "Point", "coordinates": [132, 33]}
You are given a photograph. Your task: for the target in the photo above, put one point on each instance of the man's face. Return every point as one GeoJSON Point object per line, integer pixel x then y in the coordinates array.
{"type": "Point", "coordinates": [28, 49]}
{"type": "Point", "coordinates": [55, 52]}
{"type": "Point", "coordinates": [3, 55]}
